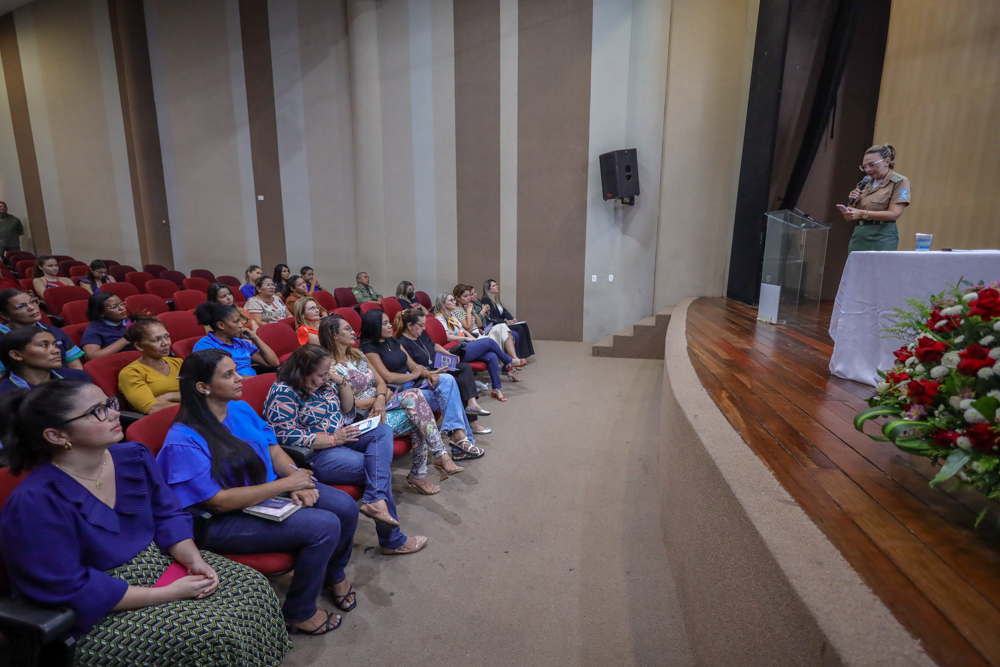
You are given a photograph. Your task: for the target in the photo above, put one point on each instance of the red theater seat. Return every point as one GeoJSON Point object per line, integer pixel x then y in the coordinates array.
{"type": "Point", "coordinates": [79, 271]}
{"type": "Point", "coordinates": [203, 273]}
{"type": "Point", "coordinates": [139, 279]}
{"type": "Point", "coordinates": [121, 290]}
{"type": "Point", "coordinates": [119, 271]}
{"type": "Point", "coordinates": [255, 390]}
{"type": "Point", "coordinates": [75, 312]}
{"type": "Point", "coordinates": [351, 316]}
{"type": "Point", "coordinates": [290, 321]}
{"type": "Point", "coordinates": [75, 331]}
{"type": "Point", "coordinates": [24, 267]}
{"type": "Point", "coordinates": [104, 372]}
{"type": "Point", "coordinates": [182, 325]}
{"type": "Point", "coordinates": [188, 299]}
{"type": "Point", "coordinates": [436, 332]}
{"type": "Point", "coordinates": [391, 306]}
{"type": "Point", "coordinates": [57, 297]}
{"type": "Point", "coordinates": [176, 277]}
{"type": "Point", "coordinates": [228, 280]}
{"type": "Point", "coordinates": [326, 300]}
{"type": "Point", "coordinates": [370, 305]}
{"type": "Point", "coordinates": [162, 288]}
{"type": "Point", "coordinates": [65, 267]}
{"type": "Point", "coordinates": [199, 284]}
{"type": "Point", "coordinates": [424, 300]}
{"type": "Point", "coordinates": [155, 269]}
{"type": "Point", "coordinates": [145, 304]}
{"type": "Point", "coordinates": [345, 297]}
{"type": "Point", "coordinates": [183, 348]}
{"type": "Point", "coordinates": [280, 338]}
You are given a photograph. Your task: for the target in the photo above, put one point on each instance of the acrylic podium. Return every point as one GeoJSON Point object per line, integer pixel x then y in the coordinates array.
{"type": "Point", "coordinates": [794, 256]}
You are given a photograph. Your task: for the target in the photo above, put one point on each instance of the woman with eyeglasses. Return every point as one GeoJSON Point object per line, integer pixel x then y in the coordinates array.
{"type": "Point", "coordinates": [96, 276]}
{"type": "Point", "coordinates": [878, 202]}
{"type": "Point", "coordinates": [108, 324]}
{"type": "Point", "coordinates": [220, 456]}
{"type": "Point", "coordinates": [151, 382]}
{"type": "Point", "coordinates": [31, 357]}
{"type": "Point", "coordinates": [94, 526]}
{"type": "Point", "coordinates": [266, 307]}
{"type": "Point", "coordinates": [21, 309]}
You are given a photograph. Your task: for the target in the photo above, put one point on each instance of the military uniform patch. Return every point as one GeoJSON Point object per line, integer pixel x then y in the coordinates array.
{"type": "Point", "coordinates": [904, 194]}
{"type": "Point", "coordinates": [896, 178]}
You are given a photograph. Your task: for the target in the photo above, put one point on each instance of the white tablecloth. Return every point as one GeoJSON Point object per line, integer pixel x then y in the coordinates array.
{"type": "Point", "coordinates": [876, 282]}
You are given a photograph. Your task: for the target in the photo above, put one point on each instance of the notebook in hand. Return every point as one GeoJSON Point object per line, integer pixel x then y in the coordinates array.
{"type": "Point", "coordinates": [274, 509]}
{"type": "Point", "coordinates": [445, 362]}
{"type": "Point", "coordinates": [366, 425]}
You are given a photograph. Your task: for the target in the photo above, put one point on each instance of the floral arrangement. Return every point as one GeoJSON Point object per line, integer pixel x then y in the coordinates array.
{"type": "Point", "coordinates": [943, 394]}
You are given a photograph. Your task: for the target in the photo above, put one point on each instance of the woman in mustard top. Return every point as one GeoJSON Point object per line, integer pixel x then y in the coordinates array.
{"type": "Point", "coordinates": [150, 383]}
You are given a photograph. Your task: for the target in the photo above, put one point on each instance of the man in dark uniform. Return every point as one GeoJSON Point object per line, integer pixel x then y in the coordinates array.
{"type": "Point", "coordinates": [11, 231]}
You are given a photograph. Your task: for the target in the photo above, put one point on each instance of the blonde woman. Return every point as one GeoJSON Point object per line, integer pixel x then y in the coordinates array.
{"type": "Point", "coordinates": [307, 317]}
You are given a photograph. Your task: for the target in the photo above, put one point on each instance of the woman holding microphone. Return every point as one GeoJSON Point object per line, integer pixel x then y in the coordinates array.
{"type": "Point", "coordinates": [878, 201]}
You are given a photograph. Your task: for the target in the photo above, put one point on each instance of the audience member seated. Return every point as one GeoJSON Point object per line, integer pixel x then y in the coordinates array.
{"type": "Point", "coordinates": [494, 311]}
{"type": "Point", "coordinates": [93, 526]}
{"type": "Point", "coordinates": [307, 316]}
{"type": "Point", "coordinates": [21, 309]}
{"type": "Point", "coordinates": [465, 313]}
{"type": "Point", "coordinates": [220, 456]}
{"type": "Point", "coordinates": [97, 276]}
{"type": "Point", "coordinates": [108, 324]}
{"type": "Point", "coordinates": [411, 415]}
{"type": "Point", "coordinates": [281, 275]}
{"type": "Point", "coordinates": [227, 334]}
{"type": "Point", "coordinates": [266, 307]}
{"type": "Point", "coordinates": [30, 357]}
{"type": "Point", "coordinates": [150, 383]}
{"type": "Point", "coordinates": [295, 289]}
{"type": "Point", "coordinates": [47, 275]}
{"type": "Point", "coordinates": [311, 408]}
{"type": "Point", "coordinates": [364, 292]}
{"type": "Point", "coordinates": [475, 349]}
{"type": "Point", "coordinates": [395, 366]}
{"type": "Point", "coordinates": [406, 295]}
{"type": "Point", "coordinates": [310, 277]}
{"type": "Point", "coordinates": [408, 329]}
{"type": "Point", "coordinates": [250, 278]}
{"type": "Point", "coordinates": [223, 294]}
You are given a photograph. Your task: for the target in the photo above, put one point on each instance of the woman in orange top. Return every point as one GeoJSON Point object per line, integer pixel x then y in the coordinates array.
{"type": "Point", "coordinates": [221, 293]}
{"type": "Point", "coordinates": [296, 288]}
{"type": "Point", "coordinates": [307, 317]}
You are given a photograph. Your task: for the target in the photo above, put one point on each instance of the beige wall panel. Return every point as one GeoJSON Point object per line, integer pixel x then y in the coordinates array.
{"type": "Point", "coordinates": [11, 187]}
{"type": "Point", "coordinates": [940, 107]}
{"type": "Point", "coordinates": [701, 143]}
{"type": "Point", "coordinates": [197, 81]}
{"type": "Point", "coordinates": [445, 169]}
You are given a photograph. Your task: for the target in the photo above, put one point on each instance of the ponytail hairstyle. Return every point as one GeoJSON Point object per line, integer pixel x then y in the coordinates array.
{"type": "Point", "coordinates": [886, 152]}
{"type": "Point", "coordinates": [234, 462]}
{"type": "Point", "coordinates": [210, 314]}
{"type": "Point", "coordinates": [329, 327]}
{"type": "Point", "coordinates": [405, 318]}
{"type": "Point", "coordinates": [290, 286]}
{"type": "Point", "coordinates": [27, 413]}
{"type": "Point", "coordinates": [246, 274]}
{"type": "Point", "coordinates": [39, 263]}
{"type": "Point", "coordinates": [95, 266]}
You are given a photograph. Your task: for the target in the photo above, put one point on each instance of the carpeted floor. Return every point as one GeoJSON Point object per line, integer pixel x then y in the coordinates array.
{"type": "Point", "coordinates": [547, 551]}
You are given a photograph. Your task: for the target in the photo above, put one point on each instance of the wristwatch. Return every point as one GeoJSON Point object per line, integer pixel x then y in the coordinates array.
{"type": "Point", "coordinates": [865, 216]}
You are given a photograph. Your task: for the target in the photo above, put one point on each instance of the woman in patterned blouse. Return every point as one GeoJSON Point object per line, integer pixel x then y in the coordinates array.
{"type": "Point", "coordinates": [408, 412]}
{"type": "Point", "coordinates": [311, 409]}
{"type": "Point", "coordinates": [266, 307]}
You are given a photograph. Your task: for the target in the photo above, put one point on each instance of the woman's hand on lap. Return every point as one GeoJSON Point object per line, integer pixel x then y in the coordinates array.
{"type": "Point", "coordinates": [200, 567]}
{"type": "Point", "coordinates": [299, 480]}
{"type": "Point", "coordinates": [305, 498]}
{"type": "Point", "coordinates": [348, 433]}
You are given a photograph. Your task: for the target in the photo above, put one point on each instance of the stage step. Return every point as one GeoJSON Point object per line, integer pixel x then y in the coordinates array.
{"type": "Point", "coordinates": [643, 340]}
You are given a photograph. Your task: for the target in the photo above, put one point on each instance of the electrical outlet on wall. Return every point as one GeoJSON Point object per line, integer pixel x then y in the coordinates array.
{"type": "Point", "coordinates": [593, 279]}
{"type": "Point", "coordinates": [611, 278]}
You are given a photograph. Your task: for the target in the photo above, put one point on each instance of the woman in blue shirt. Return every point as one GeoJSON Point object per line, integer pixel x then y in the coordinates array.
{"type": "Point", "coordinates": [227, 334]}
{"type": "Point", "coordinates": [20, 309]}
{"type": "Point", "coordinates": [222, 457]}
{"type": "Point", "coordinates": [97, 276]}
{"type": "Point", "coordinates": [108, 323]}
{"type": "Point", "coordinates": [86, 527]}
{"type": "Point", "coordinates": [30, 357]}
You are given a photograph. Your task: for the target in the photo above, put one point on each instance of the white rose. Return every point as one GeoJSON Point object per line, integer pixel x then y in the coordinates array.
{"type": "Point", "coordinates": [939, 372]}
{"type": "Point", "coordinates": [970, 297]}
{"type": "Point", "coordinates": [951, 359]}
{"type": "Point", "coordinates": [920, 370]}
{"type": "Point", "coordinates": [985, 372]}
{"type": "Point", "coordinates": [959, 340]}
{"type": "Point", "coordinates": [965, 403]}
{"type": "Point", "coordinates": [996, 325]}
{"type": "Point", "coordinates": [994, 394]}
{"type": "Point", "coordinates": [995, 353]}
{"type": "Point", "coordinates": [953, 310]}
{"type": "Point", "coordinates": [986, 340]}
{"type": "Point", "coordinates": [963, 442]}
{"type": "Point", "coordinates": [912, 360]}
{"type": "Point", "coordinates": [973, 416]}
{"type": "Point", "coordinates": [882, 387]}
{"type": "Point", "coordinates": [996, 369]}
{"type": "Point", "coordinates": [955, 402]}
{"type": "Point", "coordinates": [977, 466]}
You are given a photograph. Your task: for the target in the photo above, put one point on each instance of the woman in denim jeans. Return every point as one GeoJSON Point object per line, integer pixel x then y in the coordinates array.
{"type": "Point", "coordinates": [311, 409]}
{"type": "Point", "coordinates": [219, 455]}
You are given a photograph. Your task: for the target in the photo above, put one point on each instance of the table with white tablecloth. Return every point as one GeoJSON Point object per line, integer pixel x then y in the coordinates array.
{"type": "Point", "coordinates": [876, 282]}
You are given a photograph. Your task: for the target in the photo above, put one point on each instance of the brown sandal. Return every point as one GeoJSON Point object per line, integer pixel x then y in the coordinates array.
{"type": "Point", "coordinates": [423, 486]}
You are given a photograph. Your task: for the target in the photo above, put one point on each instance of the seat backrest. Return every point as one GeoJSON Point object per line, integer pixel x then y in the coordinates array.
{"type": "Point", "coordinates": [199, 284]}
{"type": "Point", "coordinates": [255, 390]}
{"type": "Point", "coordinates": [345, 297]}
{"type": "Point", "coordinates": [57, 297]}
{"type": "Point", "coordinates": [64, 258]}
{"type": "Point", "coordinates": [290, 321]}
{"type": "Point", "coordinates": [238, 297]}
{"type": "Point", "coordinates": [227, 280]}
{"type": "Point", "coordinates": [120, 289]}
{"type": "Point", "coordinates": [326, 300]}
{"type": "Point", "coordinates": [154, 269]}
{"type": "Point", "coordinates": [424, 300]}
{"type": "Point", "coordinates": [110, 262]}
{"type": "Point", "coordinates": [23, 266]}
{"type": "Point", "coordinates": [104, 372]}
{"type": "Point", "coordinates": [351, 316]}
{"type": "Point", "coordinates": [75, 312]}
{"type": "Point", "coordinates": [64, 267]}
{"type": "Point", "coordinates": [182, 324]}
{"type": "Point", "coordinates": [184, 347]}
{"type": "Point", "coordinates": [79, 271]}
{"type": "Point", "coordinates": [6, 283]}
{"type": "Point", "coordinates": [152, 429]}
{"type": "Point", "coordinates": [75, 331]}
{"type": "Point", "coordinates": [391, 306]}
{"type": "Point", "coordinates": [145, 304]}
{"type": "Point", "coordinates": [370, 305]}
{"type": "Point", "coordinates": [436, 332]}
{"type": "Point", "coordinates": [174, 276]}
{"type": "Point", "coordinates": [279, 337]}
{"type": "Point", "coordinates": [188, 299]}
{"type": "Point", "coordinates": [119, 271]}
{"type": "Point", "coordinates": [203, 273]}
{"type": "Point", "coordinates": [162, 288]}
{"type": "Point", "coordinates": [26, 285]}
{"type": "Point", "coordinates": [139, 279]}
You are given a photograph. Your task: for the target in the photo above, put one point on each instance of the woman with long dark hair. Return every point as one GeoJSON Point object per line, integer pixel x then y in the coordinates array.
{"type": "Point", "coordinates": [222, 294]}
{"type": "Point", "coordinates": [227, 334]}
{"type": "Point", "coordinates": [221, 456]}
{"type": "Point", "coordinates": [96, 276]}
{"type": "Point", "coordinates": [280, 276]}
{"type": "Point", "coordinates": [29, 357]}
{"type": "Point", "coordinates": [108, 325]}
{"type": "Point", "coordinates": [91, 527]}
{"type": "Point", "coordinates": [494, 311]}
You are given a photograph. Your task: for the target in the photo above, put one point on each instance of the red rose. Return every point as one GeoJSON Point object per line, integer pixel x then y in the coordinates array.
{"type": "Point", "coordinates": [929, 349]}
{"type": "Point", "coordinates": [922, 392]}
{"type": "Point", "coordinates": [982, 437]}
{"type": "Point", "coordinates": [950, 321]}
{"type": "Point", "coordinates": [973, 358]}
{"type": "Point", "coordinates": [943, 438]}
{"type": "Point", "coordinates": [902, 354]}
{"type": "Point", "coordinates": [987, 306]}
{"type": "Point", "coordinates": [896, 378]}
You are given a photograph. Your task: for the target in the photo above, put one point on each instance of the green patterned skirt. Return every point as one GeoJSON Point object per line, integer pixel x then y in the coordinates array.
{"type": "Point", "coordinates": [239, 625]}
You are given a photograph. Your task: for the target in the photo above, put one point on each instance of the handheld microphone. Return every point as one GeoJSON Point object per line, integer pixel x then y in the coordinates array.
{"type": "Point", "coordinates": [861, 186]}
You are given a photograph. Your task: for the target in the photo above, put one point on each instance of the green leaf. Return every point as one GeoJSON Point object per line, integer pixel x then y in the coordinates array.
{"type": "Point", "coordinates": [895, 428]}
{"type": "Point", "coordinates": [874, 413]}
{"type": "Point", "coordinates": [987, 407]}
{"type": "Point", "coordinates": [956, 460]}
{"type": "Point", "coordinates": [918, 446]}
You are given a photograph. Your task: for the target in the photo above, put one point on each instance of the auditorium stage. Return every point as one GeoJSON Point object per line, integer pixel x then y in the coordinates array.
{"type": "Point", "coordinates": [913, 545]}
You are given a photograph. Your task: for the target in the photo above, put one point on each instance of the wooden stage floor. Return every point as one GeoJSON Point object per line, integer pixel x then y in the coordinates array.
{"type": "Point", "coordinates": [915, 546]}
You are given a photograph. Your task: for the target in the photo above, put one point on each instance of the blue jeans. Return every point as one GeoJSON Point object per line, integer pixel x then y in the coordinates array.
{"type": "Point", "coordinates": [363, 463]}
{"type": "Point", "coordinates": [323, 536]}
{"type": "Point", "coordinates": [486, 350]}
{"type": "Point", "coordinates": [446, 399]}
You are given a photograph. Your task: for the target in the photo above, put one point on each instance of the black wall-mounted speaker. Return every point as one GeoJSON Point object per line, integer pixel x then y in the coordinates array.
{"type": "Point", "coordinates": [620, 173]}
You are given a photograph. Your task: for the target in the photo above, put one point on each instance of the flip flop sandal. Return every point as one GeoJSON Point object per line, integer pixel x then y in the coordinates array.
{"type": "Point", "coordinates": [321, 630]}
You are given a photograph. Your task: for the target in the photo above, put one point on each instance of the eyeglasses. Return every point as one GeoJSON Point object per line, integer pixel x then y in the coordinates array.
{"type": "Point", "coordinates": [118, 306]}
{"type": "Point", "coordinates": [24, 306]}
{"type": "Point", "coordinates": [871, 165]}
{"type": "Point", "coordinates": [101, 411]}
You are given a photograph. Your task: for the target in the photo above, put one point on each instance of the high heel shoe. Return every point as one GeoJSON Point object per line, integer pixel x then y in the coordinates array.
{"type": "Point", "coordinates": [423, 486]}
{"type": "Point", "coordinates": [440, 463]}
{"type": "Point", "coordinates": [497, 395]}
